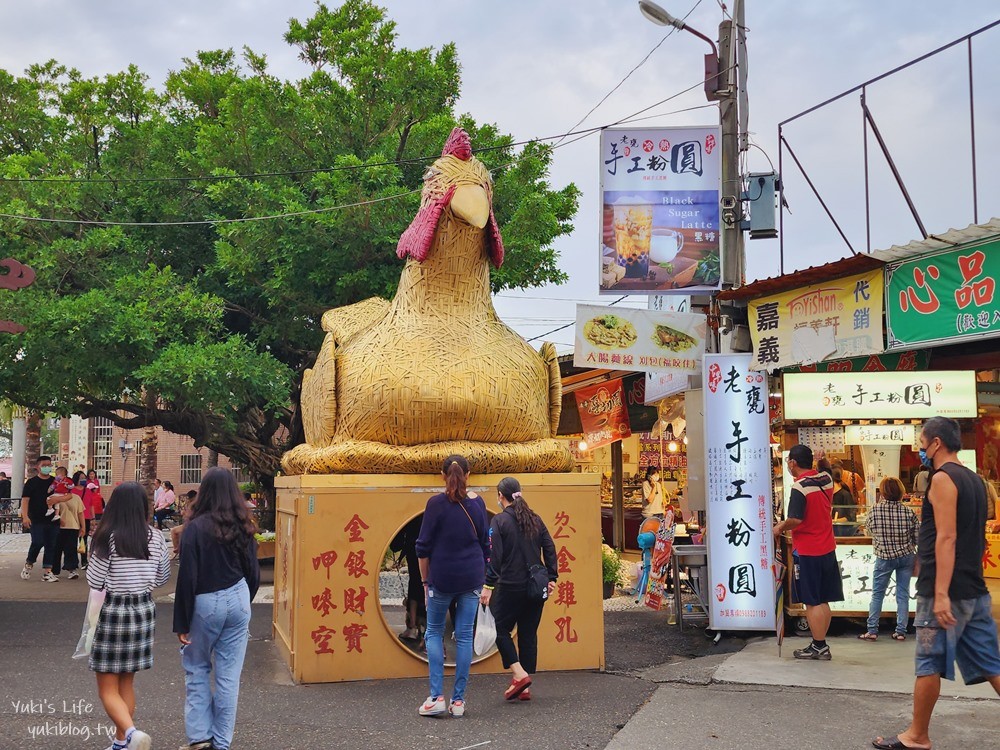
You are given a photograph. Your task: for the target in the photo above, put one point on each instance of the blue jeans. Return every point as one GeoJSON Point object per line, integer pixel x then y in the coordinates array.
{"type": "Point", "coordinates": [903, 568]}
{"type": "Point", "coordinates": [219, 628]}
{"type": "Point", "coordinates": [465, 617]}
{"type": "Point", "coordinates": [44, 536]}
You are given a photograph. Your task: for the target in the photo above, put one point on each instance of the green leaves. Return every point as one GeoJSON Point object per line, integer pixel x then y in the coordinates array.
{"type": "Point", "coordinates": [220, 320]}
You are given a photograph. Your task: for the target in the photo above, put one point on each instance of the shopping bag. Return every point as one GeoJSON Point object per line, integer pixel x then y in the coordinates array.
{"type": "Point", "coordinates": [81, 548]}
{"type": "Point", "coordinates": [94, 605]}
{"type": "Point", "coordinates": [486, 631]}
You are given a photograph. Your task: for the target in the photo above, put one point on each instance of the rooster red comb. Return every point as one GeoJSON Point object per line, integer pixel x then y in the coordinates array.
{"type": "Point", "coordinates": [439, 188]}
{"type": "Point", "coordinates": [458, 145]}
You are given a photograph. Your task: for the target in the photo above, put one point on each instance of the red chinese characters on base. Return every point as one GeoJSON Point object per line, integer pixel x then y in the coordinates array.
{"type": "Point", "coordinates": [326, 559]}
{"type": "Point", "coordinates": [323, 602]}
{"type": "Point", "coordinates": [321, 637]}
{"type": "Point", "coordinates": [355, 566]}
{"type": "Point", "coordinates": [353, 634]}
{"type": "Point", "coordinates": [566, 632]}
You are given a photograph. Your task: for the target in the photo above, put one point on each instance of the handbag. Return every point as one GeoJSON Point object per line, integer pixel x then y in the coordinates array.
{"type": "Point", "coordinates": [486, 631]}
{"type": "Point", "coordinates": [94, 605]}
{"type": "Point", "coordinates": [538, 575]}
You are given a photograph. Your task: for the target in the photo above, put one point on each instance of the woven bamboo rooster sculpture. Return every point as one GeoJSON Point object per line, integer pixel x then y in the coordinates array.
{"type": "Point", "coordinates": [398, 386]}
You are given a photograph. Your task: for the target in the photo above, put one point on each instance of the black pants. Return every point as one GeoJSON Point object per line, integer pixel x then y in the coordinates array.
{"type": "Point", "coordinates": [86, 543]}
{"type": "Point", "coordinates": [44, 538]}
{"type": "Point", "coordinates": [66, 555]}
{"type": "Point", "coordinates": [511, 607]}
{"type": "Point", "coordinates": [162, 515]}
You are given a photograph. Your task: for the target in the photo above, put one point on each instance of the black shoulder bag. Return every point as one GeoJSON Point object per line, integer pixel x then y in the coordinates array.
{"type": "Point", "coordinates": [538, 575]}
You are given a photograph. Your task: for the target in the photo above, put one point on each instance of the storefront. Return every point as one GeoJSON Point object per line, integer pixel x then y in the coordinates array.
{"type": "Point", "coordinates": [861, 351]}
{"type": "Point", "coordinates": [657, 437]}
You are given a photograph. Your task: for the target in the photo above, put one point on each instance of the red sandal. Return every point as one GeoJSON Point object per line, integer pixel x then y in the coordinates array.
{"type": "Point", "coordinates": [516, 688]}
{"type": "Point", "coordinates": [525, 695]}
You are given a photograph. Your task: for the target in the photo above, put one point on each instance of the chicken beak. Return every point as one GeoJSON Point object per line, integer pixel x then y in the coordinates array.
{"type": "Point", "coordinates": [471, 204]}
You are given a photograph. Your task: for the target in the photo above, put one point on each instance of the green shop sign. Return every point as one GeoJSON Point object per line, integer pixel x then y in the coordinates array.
{"type": "Point", "coordinates": [945, 297]}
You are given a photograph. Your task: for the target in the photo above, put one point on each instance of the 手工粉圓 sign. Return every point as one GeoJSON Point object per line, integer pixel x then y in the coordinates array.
{"type": "Point", "coordinates": [660, 218]}
{"type": "Point", "coordinates": [879, 395]}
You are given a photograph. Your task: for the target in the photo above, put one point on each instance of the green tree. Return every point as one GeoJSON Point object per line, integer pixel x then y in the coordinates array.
{"type": "Point", "coordinates": [207, 329]}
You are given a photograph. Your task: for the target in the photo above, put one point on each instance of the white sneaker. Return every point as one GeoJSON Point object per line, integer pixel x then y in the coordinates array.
{"type": "Point", "coordinates": [433, 706]}
{"type": "Point", "coordinates": [139, 740]}
{"type": "Point", "coordinates": [26, 571]}
{"type": "Point", "coordinates": [49, 578]}
{"type": "Point", "coordinates": [457, 709]}
{"type": "Point", "coordinates": [73, 575]}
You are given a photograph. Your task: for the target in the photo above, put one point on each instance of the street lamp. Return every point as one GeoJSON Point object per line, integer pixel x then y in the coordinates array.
{"type": "Point", "coordinates": [659, 16]}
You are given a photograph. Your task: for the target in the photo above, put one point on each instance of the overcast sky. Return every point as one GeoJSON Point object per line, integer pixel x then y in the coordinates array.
{"type": "Point", "coordinates": [536, 67]}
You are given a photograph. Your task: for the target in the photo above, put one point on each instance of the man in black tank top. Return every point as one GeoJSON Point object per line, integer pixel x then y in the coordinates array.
{"type": "Point", "coordinates": [954, 619]}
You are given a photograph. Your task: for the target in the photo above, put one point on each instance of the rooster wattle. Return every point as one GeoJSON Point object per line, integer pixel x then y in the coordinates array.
{"type": "Point", "coordinates": [399, 385]}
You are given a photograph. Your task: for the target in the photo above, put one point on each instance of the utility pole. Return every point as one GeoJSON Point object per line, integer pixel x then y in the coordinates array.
{"type": "Point", "coordinates": [733, 75]}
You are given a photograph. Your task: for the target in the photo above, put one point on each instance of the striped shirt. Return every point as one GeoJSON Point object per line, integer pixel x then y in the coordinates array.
{"type": "Point", "coordinates": [893, 528]}
{"type": "Point", "coordinates": [131, 575]}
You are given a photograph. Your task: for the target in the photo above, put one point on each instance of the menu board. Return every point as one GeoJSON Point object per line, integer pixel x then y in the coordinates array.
{"type": "Point", "coordinates": [739, 509]}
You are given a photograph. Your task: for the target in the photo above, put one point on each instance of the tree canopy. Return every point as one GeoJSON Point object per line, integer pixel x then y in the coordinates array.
{"type": "Point", "coordinates": [206, 329]}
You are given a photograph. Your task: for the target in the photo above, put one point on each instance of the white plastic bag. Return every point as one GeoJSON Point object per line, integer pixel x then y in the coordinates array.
{"type": "Point", "coordinates": [86, 642]}
{"type": "Point", "coordinates": [486, 631]}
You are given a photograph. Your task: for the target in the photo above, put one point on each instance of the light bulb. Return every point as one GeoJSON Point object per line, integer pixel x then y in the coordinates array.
{"type": "Point", "coordinates": [685, 440]}
{"type": "Point", "coordinates": [582, 445]}
{"type": "Point", "coordinates": [672, 447]}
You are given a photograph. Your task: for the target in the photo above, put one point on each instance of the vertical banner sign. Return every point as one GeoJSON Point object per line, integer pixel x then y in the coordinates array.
{"type": "Point", "coordinates": [603, 413]}
{"type": "Point", "coordinates": [945, 297]}
{"type": "Point", "coordinates": [739, 510]}
{"type": "Point", "coordinates": [660, 223]}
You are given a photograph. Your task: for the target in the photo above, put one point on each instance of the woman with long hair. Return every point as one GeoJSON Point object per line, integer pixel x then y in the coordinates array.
{"type": "Point", "coordinates": [452, 551]}
{"type": "Point", "coordinates": [128, 559]}
{"type": "Point", "coordinates": [218, 578]}
{"type": "Point", "coordinates": [517, 535]}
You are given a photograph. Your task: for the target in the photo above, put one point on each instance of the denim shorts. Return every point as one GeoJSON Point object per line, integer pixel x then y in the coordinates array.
{"type": "Point", "coordinates": [972, 641]}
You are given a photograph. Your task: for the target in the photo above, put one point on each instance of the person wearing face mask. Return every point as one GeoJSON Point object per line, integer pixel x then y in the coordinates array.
{"type": "Point", "coordinates": [34, 517]}
{"type": "Point", "coordinates": [954, 619]}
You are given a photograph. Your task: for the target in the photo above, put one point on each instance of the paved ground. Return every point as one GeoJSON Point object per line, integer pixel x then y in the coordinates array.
{"type": "Point", "coordinates": [662, 688]}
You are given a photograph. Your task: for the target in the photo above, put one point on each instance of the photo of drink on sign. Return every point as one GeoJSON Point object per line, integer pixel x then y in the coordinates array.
{"type": "Point", "coordinates": [660, 220]}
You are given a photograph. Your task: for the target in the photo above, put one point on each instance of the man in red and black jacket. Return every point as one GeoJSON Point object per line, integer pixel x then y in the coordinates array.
{"type": "Point", "coordinates": [817, 572]}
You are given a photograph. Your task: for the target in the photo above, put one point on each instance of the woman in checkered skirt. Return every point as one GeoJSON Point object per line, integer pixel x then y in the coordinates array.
{"type": "Point", "coordinates": [128, 560]}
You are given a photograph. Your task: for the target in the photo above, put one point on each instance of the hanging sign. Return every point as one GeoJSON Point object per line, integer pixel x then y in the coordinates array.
{"type": "Point", "coordinates": [879, 434]}
{"type": "Point", "coordinates": [603, 413]}
{"type": "Point", "coordinates": [659, 385]}
{"type": "Point", "coordinates": [943, 298]}
{"type": "Point", "coordinates": [739, 510]}
{"type": "Point", "coordinates": [628, 338]}
{"type": "Point", "coordinates": [832, 320]}
{"type": "Point", "coordinates": [881, 395]}
{"type": "Point", "coordinates": [660, 225]}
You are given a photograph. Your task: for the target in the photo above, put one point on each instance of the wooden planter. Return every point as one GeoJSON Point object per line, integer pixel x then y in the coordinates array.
{"type": "Point", "coordinates": [265, 550]}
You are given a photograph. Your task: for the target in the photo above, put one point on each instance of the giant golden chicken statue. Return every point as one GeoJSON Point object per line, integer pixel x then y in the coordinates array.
{"type": "Point", "coordinates": [398, 386]}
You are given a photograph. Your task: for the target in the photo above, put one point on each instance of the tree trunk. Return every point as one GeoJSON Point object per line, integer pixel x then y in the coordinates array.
{"type": "Point", "coordinates": [149, 459]}
{"type": "Point", "coordinates": [33, 442]}
{"type": "Point", "coordinates": [213, 458]}
{"type": "Point", "coordinates": [150, 447]}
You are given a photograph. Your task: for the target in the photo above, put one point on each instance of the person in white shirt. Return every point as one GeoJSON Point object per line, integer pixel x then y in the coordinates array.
{"type": "Point", "coordinates": [652, 494]}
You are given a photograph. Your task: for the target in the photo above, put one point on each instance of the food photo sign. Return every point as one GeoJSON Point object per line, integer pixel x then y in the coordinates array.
{"type": "Point", "coordinates": [624, 338]}
{"type": "Point", "coordinates": [660, 220]}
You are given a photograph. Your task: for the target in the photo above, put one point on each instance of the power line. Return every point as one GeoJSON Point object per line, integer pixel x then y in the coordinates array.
{"type": "Point", "coordinates": [562, 328]}
{"type": "Point", "coordinates": [202, 222]}
{"type": "Point", "coordinates": [629, 74]}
